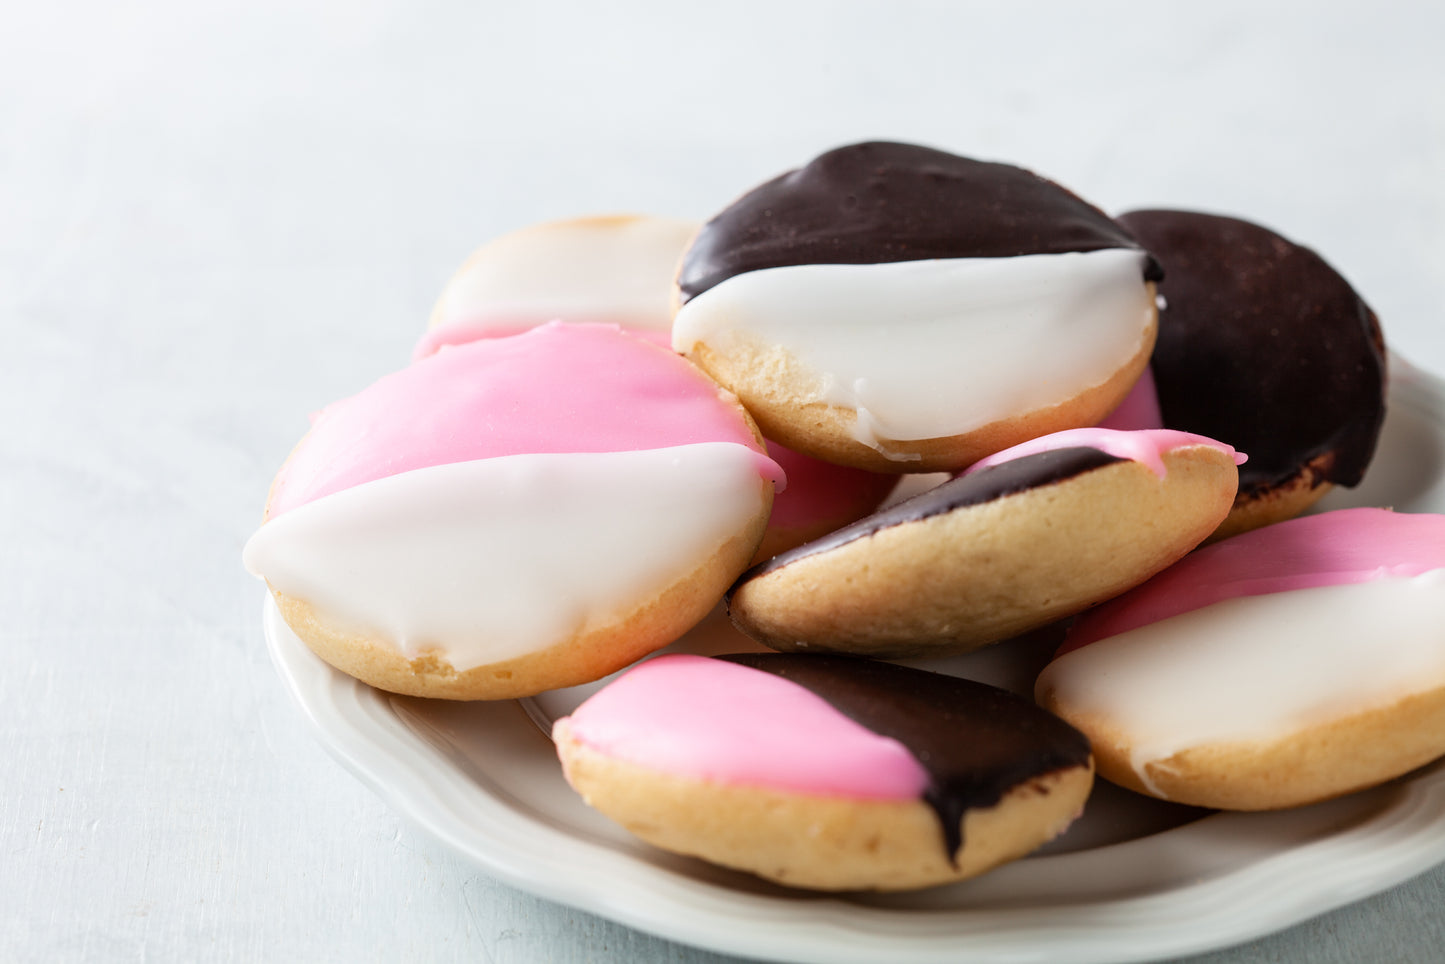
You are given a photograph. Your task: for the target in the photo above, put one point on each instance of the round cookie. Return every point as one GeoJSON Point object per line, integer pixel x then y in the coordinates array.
{"type": "Point", "coordinates": [615, 269]}
{"type": "Point", "coordinates": [619, 269]}
{"type": "Point", "coordinates": [514, 514]}
{"type": "Point", "coordinates": [825, 772]}
{"type": "Point", "coordinates": [1265, 346]}
{"type": "Point", "coordinates": [901, 309]}
{"type": "Point", "coordinates": [1277, 668]}
{"type": "Point", "coordinates": [1026, 537]}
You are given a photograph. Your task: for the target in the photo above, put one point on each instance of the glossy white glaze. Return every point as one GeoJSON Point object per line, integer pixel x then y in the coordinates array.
{"type": "Point", "coordinates": [1259, 667]}
{"type": "Point", "coordinates": [929, 349]}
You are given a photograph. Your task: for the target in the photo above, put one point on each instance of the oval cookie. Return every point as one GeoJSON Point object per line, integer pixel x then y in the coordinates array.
{"type": "Point", "coordinates": [1280, 667]}
{"type": "Point", "coordinates": [514, 514]}
{"type": "Point", "coordinates": [1026, 537]}
{"type": "Point", "coordinates": [1262, 344]}
{"type": "Point", "coordinates": [825, 772]}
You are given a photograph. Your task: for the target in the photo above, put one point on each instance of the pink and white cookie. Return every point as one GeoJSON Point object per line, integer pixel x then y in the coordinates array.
{"type": "Point", "coordinates": [825, 772]}
{"type": "Point", "coordinates": [514, 514]}
{"type": "Point", "coordinates": [1025, 537]}
{"type": "Point", "coordinates": [1287, 665]}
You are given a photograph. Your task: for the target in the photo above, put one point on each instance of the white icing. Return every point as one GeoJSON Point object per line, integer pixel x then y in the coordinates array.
{"type": "Point", "coordinates": [489, 560]}
{"type": "Point", "coordinates": [616, 269]}
{"type": "Point", "coordinates": [930, 349]}
{"type": "Point", "coordinates": [1259, 667]}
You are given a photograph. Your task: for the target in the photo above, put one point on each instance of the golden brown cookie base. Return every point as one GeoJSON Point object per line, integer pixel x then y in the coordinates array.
{"type": "Point", "coordinates": [781, 395]}
{"type": "Point", "coordinates": [976, 575]}
{"type": "Point", "coordinates": [1354, 752]}
{"type": "Point", "coordinates": [777, 539]}
{"type": "Point", "coordinates": [602, 646]}
{"type": "Point", "coordinates": [1290, 498]}
{"type": "Point", "coordinates": [822, 843]}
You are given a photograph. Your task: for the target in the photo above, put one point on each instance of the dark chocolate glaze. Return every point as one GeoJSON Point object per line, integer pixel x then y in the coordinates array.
{"type": "Point", "coordinates": [985, 485]}
{"type": "Point", "coordinates": [976, 742]}
{"type": "Point", "coordinates": [881, 202]}
{"type": "Point", "coordinates": [1263, 345]}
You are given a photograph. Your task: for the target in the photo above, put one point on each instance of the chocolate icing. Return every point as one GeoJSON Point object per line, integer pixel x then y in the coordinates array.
{"type": "Point", "coordinates": [882, 202]}
{"type": "Point", "coordinates": [985, 485]}
{"type": "Point", "coordinates": [976, 742]}
{"type": "Point", "coordinates": [1263, 345]}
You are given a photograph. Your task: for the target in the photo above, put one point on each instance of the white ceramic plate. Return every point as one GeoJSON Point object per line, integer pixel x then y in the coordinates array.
{"type": "Point", "coordinates": [1133, 880]}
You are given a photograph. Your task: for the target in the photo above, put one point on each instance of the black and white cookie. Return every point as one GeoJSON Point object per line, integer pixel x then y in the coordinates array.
{"type": "Point", "coordinates": [902, 309]}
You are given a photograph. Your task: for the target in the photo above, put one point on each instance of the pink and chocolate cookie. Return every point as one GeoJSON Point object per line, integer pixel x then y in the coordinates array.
{"type": "Point", "coordinates": [514, 514]}
{"type": "Point", "coordinates": [1276, 668]}
{"type": "Point", "coordinates": [825, 772]}
{"type": "Point", "coordinates": [902, 309]}
{"type": "Point", "coordinates": [1263, 345]}
{"type": "Point", "coordinates": [1025, 537]}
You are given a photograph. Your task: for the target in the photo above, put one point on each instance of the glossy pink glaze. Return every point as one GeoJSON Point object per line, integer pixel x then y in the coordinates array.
{"type": "Point", "coordinates": [718, 721]}
{"type": "Point", "coordinates": [460, 334]}
{"type": "Point", "coordinates": [1145, 445]}
{"type": "Point", "coordinates": [1139, 409]}
{"type": "Point", "coordinates": [553, 389]}
{"type": "Point", "coordinates": [1330, 549]}
{"type": "Point", "coordinates": [817, 491]}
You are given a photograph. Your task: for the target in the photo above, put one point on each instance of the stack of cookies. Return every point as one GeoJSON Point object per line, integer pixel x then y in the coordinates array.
{"type": "Point", "coordinates": [613, 424]}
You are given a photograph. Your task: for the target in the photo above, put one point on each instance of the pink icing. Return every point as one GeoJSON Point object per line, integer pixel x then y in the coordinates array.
{"type": "Point", "coordinates": [460, 334]}
{"type": "Point", "coordinates": [1144, 445]}
{"type": "Point", "coordinates": [820, 491]}
{"type": "Point", "coordinates": [732, 724]}
{"type": "Point", "coordinates": [553, 389]}
{"type": "Point", "coordinates": [1139, 409]}
{"type": "Point", "coordinates": [1330, 549]}
{"type": "Point", "coordinates": [817, 491]}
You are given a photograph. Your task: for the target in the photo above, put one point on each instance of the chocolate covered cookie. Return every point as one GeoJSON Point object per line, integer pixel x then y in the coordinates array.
{"type": "Point", "coordinates": [903, 309]}
{"type": "Point", "coordinates": [1265, 346]}
{"type": "Point", "coordinates": [825, 772]}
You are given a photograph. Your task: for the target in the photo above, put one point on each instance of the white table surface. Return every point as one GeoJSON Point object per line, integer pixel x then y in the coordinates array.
{"type": "Point", "coordinates": [215, 218]}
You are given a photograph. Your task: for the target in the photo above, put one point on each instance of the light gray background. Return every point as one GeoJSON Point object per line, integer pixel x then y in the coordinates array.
{"type": "Point", "coordinates": [215, 218]}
